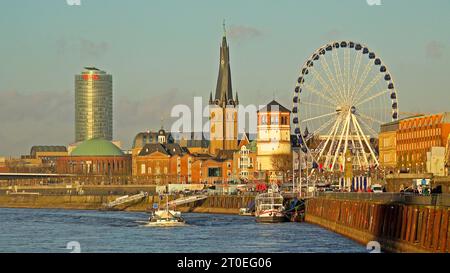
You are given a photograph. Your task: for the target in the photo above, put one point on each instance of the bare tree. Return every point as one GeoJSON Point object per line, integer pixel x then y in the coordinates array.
{"type": "Point", "coordinates": [282, 163]}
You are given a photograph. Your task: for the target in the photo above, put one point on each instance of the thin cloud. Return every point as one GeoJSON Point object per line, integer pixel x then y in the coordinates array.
{"type": "Point", "coordinates": [333, 34]}
{"type": "Point", "coordinates": [88, 49]}
{"type": "Point", "coordinates": [434, 50]}
{"type": "Point", "coordinates": [47, 118]}
{"type": "Point", "coordinates": [91, 49]}
{"type": "Point", "coordinates": [242, 33]}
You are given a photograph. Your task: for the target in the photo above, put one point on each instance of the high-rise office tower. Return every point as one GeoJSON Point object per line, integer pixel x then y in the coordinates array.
{"type": "Point", "coordinates": [93, 105]}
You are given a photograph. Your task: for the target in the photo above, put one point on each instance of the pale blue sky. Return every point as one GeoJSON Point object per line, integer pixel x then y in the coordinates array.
{"type": "Point", "coordinates": [167, 51]}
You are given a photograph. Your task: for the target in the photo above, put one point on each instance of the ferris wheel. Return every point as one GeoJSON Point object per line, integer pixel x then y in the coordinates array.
{"type": "Point", "coordinates": [342, 96]}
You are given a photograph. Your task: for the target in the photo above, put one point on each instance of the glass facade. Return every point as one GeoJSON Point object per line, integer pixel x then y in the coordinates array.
{"type": "Point", "coordinates": [93, 105]}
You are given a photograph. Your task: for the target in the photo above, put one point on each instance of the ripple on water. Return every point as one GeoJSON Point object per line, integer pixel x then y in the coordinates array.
{"type": "Point", "coordinates": [49, 230]}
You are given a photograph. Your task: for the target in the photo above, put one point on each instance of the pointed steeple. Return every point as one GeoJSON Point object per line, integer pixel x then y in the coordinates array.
{"type": "Point", "coordinates": [224, 91]}
{"type": "Point", "coordinates": [237, 98]}
{"type": "Point", "coordinates": [210, 98]}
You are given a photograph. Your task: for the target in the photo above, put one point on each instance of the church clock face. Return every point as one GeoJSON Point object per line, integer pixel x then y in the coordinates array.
{"type": "Point", "coordinates": [222, 61]}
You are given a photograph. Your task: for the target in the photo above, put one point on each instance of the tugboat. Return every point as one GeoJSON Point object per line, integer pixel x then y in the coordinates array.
{"type": "Point", "coordinates": [269, 207]}
{"type": "Point", "coordinates": [166, 218]}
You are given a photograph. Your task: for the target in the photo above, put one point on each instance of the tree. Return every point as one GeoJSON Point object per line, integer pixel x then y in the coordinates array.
{"type": "Point", "coordinates": [282, 163]}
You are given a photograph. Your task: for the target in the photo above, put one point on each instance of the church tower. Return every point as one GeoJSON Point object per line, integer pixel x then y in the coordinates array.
{"type": "Point", "coordinates": [223, 108]}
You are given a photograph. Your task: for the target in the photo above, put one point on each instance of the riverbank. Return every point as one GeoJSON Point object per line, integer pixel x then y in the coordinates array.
{"type": "Point", "coordinates": [397, 227]}
{"type": "Point", "coordinates": [221, 204]}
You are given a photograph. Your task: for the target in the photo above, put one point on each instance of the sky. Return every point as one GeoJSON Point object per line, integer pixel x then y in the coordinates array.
{"type": "Point", "coordinates": [163, 53]}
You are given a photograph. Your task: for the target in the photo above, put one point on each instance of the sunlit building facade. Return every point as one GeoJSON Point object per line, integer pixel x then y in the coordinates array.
{"type": "Point", "coordinates": [93, 105]}
{"type": "Point", "coordinates": [404, 144]}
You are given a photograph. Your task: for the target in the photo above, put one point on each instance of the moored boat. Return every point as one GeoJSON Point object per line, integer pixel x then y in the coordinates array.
{"type": "Point", "coordinates": [269, 207]}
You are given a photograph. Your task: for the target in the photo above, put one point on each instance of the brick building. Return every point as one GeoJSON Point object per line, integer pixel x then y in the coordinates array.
{"type": "Point", "coordinates": [406, 144]}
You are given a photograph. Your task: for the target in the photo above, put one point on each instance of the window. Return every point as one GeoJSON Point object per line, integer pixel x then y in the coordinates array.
{"type": "Point", "coordinates": [214, 172]}
{"type": "Point", "coordinates": [142, 168]}
{"type": "Point", "coordinates": [264, 120]}
{"type": "Point", "coordinates": [274, 120]}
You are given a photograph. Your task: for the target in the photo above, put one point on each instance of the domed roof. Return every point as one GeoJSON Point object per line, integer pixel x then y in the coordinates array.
{"type": "Point", "coordinates": [97, 147]}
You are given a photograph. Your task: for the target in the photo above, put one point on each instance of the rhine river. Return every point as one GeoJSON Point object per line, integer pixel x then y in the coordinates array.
{"type": "Point", "coordinates": [50, 230]}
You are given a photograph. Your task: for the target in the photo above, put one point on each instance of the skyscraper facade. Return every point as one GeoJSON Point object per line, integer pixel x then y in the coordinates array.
{"type": "Point", "coordinates": [93, 105]}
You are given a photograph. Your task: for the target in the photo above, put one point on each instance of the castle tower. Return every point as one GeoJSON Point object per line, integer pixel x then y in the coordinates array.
{"type": "Point", "coordinates": [274, 132]}
{"type": "Point", "coordinates": [223, 108]}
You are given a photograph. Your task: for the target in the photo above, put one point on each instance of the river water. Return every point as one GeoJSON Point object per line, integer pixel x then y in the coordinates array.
{"type": "Point", "coordinates": [50, 230]}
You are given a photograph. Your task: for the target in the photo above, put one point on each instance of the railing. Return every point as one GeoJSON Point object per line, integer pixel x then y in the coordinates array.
{"type": "Point", "coordinates": [186, 200]}
{"type": "Point", "coordinates": [442, 199]}
{"type": "Point", "coordinates": [123, 200]}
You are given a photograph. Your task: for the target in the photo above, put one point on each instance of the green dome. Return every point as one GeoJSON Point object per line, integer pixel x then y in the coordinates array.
{"type": "Point", "coordinates": [96, 147]}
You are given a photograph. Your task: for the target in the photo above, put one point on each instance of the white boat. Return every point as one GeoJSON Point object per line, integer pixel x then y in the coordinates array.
{"type": "Point", "coordinates": [269, 207]}
{"type": "Point", "coordinates": [166, 218]}
{"type": "Point", "coordinates": [160, 213]}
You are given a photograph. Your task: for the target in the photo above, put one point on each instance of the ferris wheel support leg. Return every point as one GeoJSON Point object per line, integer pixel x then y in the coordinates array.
{"type": "Point", "coordinates": [333, 136]}
{"type": "Point", "coordinates": [340, 142]}
{"type": "Point", "coordinates": [333, 129]}
{"type": "Point", "coordinates": [346, 142]}
{"type": "Point", "coordinates": [360, 143]}
{"type": "Point", "coordinates": [367, 142]}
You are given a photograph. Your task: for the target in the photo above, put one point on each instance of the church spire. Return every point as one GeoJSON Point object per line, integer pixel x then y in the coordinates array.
{"type": "Point", "coordinates": [224, 29]}
{"type": "Point", "coordinates": [224, 91]}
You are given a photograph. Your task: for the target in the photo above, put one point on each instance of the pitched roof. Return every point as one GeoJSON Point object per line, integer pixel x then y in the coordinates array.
{"type": "Point", "coordinates": [243, 140]}
{"type": "Point", "coordinates": [274, 106]}
{"type": "Point", "coordinates": [36, 149]}
{"type": "Point", "coordinates": [167, 149]}
{"type": "Point", "coordinates": [225, 154]}
{"type": "Point", "coordinates": [143, 138]}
